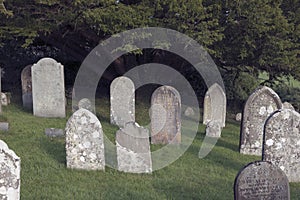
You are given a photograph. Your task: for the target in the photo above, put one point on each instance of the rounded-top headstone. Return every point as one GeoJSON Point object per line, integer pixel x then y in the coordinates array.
{"type": "Point", "coordinates": [282, 142]}
{"type": "Point", "coordinates": [259, 106]}
{"type": "Point", "coordinates": [122, 101]}
{"type": "Point", "coordinates": [261, 180]}
{"type": "Point", "coordinates": [86, 104]}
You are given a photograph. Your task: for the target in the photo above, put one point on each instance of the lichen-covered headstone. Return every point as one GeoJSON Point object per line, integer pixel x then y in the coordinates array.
{"type": "Point", "coordinates": [259, 106]}
{"type": "Point", "coordinates": [86, 104]}
{"type": "Point", "coordinates": [165, 116]}
{"type": "Point", "coordinates": [84, 141]}
{"type": "Point", "coordinates": [133, 149]}
{"type": "Point", "coordinates": [282, 142]}
{"type": "Point", "coordinates": [261, 180]}
{"type": "Point", "coordinates": [287, 105]}
{"type": "Point", "coordinates": [10, 167]}
{"type": "Point", "coordinates": [26, 87]}
{"type": "Point", "coordinates": [122, 101]}
{"type": "Point", "coordinates": [215, 105]}
{"type": "Point", "coordinates": [213, 128]}
{"type": "Point", "coordinates": [48, 88]}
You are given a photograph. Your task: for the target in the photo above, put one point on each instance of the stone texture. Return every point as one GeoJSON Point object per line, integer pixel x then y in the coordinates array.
{"type": "Point", "coordinates": [4, 126]}
{"type": "Point", "coordinates": [214, 105]}
{"type": "Point", "coordinates": [259, 106]}
{"type": "Point", "coordinates": [213, 128]}
{"type": "Point", "coordinates": [84, 141]}
{"type": "Point", "coordinates": [122, 101]}
{"type": "Point", "coordinates": [133, 149]}
{"type": "Point", "coordinates": [165, 116]}
{"type": "Point", "coordinates": [238, 117]}
{"type": "Point", "coordinates": [10, 167]}
{"type": "Point", "coordinates": [4, 99]}
{"type": "Point", "coordinates": [282, 142]}
{"type": "Point", "coordinates": [287, 105]}
{"type": "Point", "coordinates": [86, 104]}
{"type": "Point", "coordinates": [261, 180]}
{"type": "Point", "coordinates": [189, 112]}
{"type": "Point", "coordinates": [54, 132]}
{"type": "Point", "coordinates": [48, 88]}
{"type": "Point", "coordinates": [27, 87]}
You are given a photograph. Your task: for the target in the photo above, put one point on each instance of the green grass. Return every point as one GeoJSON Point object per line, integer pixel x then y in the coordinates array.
{"type": "Point", "coordinates": [44, 174]}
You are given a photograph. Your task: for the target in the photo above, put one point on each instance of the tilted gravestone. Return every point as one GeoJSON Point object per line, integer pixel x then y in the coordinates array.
{"type": "Point", "coordinates": [259, 106]}
{"type": "Point", "coordinates": [84, 141]}
{"type": "Point", "coordinates": [133, 149]}
{"type": "Point", "coordinates": [165, 116]}
{"type": "Point", "coordinates": [10, 167]}
{"type": "Point", "coordinates": [48, 88]}
{"type": "Point", "coordinates": [27, 87]}
{"type": "Point", "coordinates": [261, 180]}
{"type": "Point", "coordinates": [282, 142]}
{"type": "Point", "coordinates": [122, 101]}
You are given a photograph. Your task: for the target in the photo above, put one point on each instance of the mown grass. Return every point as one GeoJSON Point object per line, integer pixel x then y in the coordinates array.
{"type": "Point", "coordinates": [44, 174]}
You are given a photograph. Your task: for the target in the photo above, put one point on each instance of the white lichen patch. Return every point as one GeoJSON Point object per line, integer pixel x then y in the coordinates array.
{"type": "Point", "coordinates": [270, 142]}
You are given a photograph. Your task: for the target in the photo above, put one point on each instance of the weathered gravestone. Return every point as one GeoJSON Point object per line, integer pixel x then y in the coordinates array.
{"type": "Point", "coordinates": [84, 141]}
{"type": "Point", "coordinates": [54, 132]}
{"type": "Point", "coordinates": [133, 149]}
{"type": "Point", "coordinates": [26, 87]}
{"type": "Point", "coordinates": [165, 116]}
{"type": "Point", "coordinates": [282, 142]}
{"type": "Point", "coordinates": [259, 106]}
{"type": "Point", "coordinates": [238, 117]}
{"type": "Point", "coordinates": [4, 99]}
{"type": "Point", "coordinates": [86, 104]}
{"type": "Point", "coordinates": [287, 105]}
{"type": "Point", "coordinates": [48, 88]}
{"type": "Point", "coordinates": [261, 180]}
{"type": "Point", "coordinates": [122, 101]}
{"type": "Point", "coordinates": [10, 167]}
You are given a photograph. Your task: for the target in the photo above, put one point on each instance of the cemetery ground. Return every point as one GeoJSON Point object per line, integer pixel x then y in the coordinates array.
{"type": "Point", "coordinates": [44, 174]}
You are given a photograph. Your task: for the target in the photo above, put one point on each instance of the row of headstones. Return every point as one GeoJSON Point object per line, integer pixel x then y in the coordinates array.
{"type": "Point", "coordinates": [271, 130]}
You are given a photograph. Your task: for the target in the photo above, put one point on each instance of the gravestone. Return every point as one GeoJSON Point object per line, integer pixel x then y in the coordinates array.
{"type": "Point", "coordinates": [215, 105]}
{"type": "Point", "coordinates": [287, 105]}
{"type": "Point", "coordinates": [4, 99]}
{"type": "Point", "coordinates": [213, 128]}
{"type": "Point", "coordinates": [10, 167]}
{"type": "Point", "coordinates": [54, 132]}
{"type": "Point", "coordinates": [48, 88]}
{"type": "Point", "coordinates": [238, 117]}
{"type": "Point", "coordinates": [133, 149]}
{"type": "Point", "coordinates": [261, 180]}
{"type": "Point", "coordinates": [189, 112]}
{"type": "Point", "coordinates": [259, 106]}
{"type": "Point", "coordinates": [84, 141]}
{"type": "Point", "coordinates": [86, 104]}
{"type": "Point", "coordinates": [26, 87]}
{"type": "Point", "coordinates": [122, 101]}
{"type": "Point", "coordinates": [282, 142]}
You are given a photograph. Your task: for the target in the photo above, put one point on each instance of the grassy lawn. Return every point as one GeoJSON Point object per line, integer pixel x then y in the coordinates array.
{"type": "Point", "coordinates": [44, 174]}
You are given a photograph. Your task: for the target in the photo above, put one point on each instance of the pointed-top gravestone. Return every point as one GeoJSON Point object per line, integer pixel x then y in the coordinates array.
{"type": "Point", "coordinates": [165, 116]}
{"type": "Point", "coordinates": [122, 101]}
{"type": "Point", "coordinates": [282, 142]}
{"type": "Point", "coordinates": [259, 106]}
{"type": "Point", "coordinates": [215, 105]}
{"type": "Point", "coordinates": [84, 141]}
{"type": "Point", "coordinates": [10, 167]}
{"type": "Point", "coordinates": [26, 87]}
{"type": "Point", "coordinates": [261, 180]}
{"type": "Point", "coordinates": [48, 88]}
{"type": "Point", "coordinates": [133, 149]}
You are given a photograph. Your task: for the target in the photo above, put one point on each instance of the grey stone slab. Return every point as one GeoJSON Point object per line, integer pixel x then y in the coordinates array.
{"type": "Point", "coordinates": [4, 126]}
{"type": "Point", "coordinates": [54, 132]}
{"type": "Point", "coordinates": [26, 81]}
{"type": "Point", "coordinates": [282, 142]}
{"type": "Point", "coordinates": [122, 101]}
{"type": "Point", "coordinates": [48, 89]}
{"type": "Point", "coordinates": [214, 105]}
{"type": "Point", "coordinates": [133, 149]}
{"type": "Point", "coordinates": [84, 141]}
{"type": "Point", "coordinates": [10, 167]}
{"type": "Point", "coordinates": [165, 116]}
{"type": "Point", "coordinates": [259, 106]}
{"type": "Point", "coordinates": [261, 180]}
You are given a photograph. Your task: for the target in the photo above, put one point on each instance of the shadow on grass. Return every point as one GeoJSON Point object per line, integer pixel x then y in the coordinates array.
{"type": "Point", "coordinates": [55, 147]}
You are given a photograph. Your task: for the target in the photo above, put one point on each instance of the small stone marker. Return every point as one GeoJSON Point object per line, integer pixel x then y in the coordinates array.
{"type": "Point", "coordinates": [287, 105]}
{"type": "Point", "coordinates": [84, 141]}
{"type": "Point", "coordinates": [122, 101]}
{"type": "Point", "coordinates": [54, 132]}
{"type": "Point", "coordinates": [26, 87]}
{"type": "Point", "coordinates": [213, 128]}
{"type": "Point", "coordinates": [165, 116]}
{"type": "Point", "coordinates": [259, 106]}
{"type": "Point", "coordinates": [261, 180]}
{"type": "Point", "coordinates": [48, 88]}
{"type": "Point", "coordinates": [133, 149]}
{"type": "Point", "coordinates": [86, 104]}
{"type": "Point", "coordinates": [282, 142]}
{"type": "Point", "coordinates": [10, 167]}
{"type": "Point", "coordinates": [238, 117]}
{"type": "Point", "coordinates": [4, 126]}
{"type": "Point", "coordinates": [215, 105]}
{"type": "Point", "coordinates": [4, 99]}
